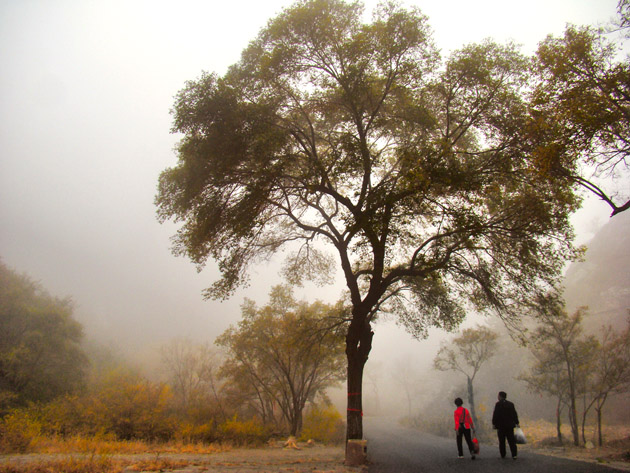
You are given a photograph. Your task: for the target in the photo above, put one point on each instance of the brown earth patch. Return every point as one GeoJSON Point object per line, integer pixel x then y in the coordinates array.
{"type": "Point", "coordinates": [273, 459]}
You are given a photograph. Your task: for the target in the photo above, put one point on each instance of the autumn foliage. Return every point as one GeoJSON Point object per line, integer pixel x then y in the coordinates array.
{"type": "Point", "coordinates": [100, 403]}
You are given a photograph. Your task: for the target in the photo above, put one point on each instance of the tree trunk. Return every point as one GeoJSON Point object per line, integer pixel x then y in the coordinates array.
{"type": "Point", "coordinates": [599, 408]}
{"type": "Point", "coordinates": [600, 441]}
{"type": "Point", "coordinates": [296, 421]}
{"type": "Point", "coordinates": [584, 414]}
{"type": "Point", "coordinates": [559, 420]}
{"type": "Point", "coordinates": [574, 423]}
{"type": "Point", "coordinates": [358, 346]}
{"type": "Point", "coordinates": [573, 407]}
{"type": "Point", "coordinates": [471, 402]}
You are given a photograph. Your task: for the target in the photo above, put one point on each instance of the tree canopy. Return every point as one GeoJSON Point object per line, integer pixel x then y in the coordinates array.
{"type": "Point", "coordinates": [581, 112]}
{"type": "Point", "coordinates": [353, 141]}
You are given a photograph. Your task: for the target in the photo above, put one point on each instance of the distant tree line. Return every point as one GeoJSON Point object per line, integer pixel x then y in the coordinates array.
{"type": "Point", "coordinates": [40, 343]}
{"type": "Point", "coordinates": [275, 369]}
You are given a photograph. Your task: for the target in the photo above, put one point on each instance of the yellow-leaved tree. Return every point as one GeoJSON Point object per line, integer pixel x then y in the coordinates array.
{"type": "Point", "coordinates": [281, 355]}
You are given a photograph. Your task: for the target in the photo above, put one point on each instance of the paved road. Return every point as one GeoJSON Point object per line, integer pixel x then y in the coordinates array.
{"type": "Point", "coordinates": [395, 449]}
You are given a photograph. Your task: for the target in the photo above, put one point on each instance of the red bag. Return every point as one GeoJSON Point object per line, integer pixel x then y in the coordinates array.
{"type": "Point", "coordinates": [475, 445]}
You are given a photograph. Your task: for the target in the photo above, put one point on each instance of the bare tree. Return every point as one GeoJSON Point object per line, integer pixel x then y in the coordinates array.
{"type": "Point", "coordinates": [192, 373]}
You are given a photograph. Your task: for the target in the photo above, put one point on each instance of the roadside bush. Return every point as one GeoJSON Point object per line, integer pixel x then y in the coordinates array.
{"type": "Point", "coordinates": [122, 407]}
{"type": "Point", "coordinates": [323, 424]}
{"type": "Point", "coordinates": [194, 433]}
{"type": "Point", "coordinates": [18, 430]}
{"type": "Point", "coordinates": [243, 432]}
{"type": "Point", "coordinates": [65, 416]}
{"type": "Point", "coordinates": [134, 410]}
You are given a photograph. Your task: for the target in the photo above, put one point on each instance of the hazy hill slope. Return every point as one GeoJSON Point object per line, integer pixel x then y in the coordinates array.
{"type": "Point", "coordinates": [602, 280]}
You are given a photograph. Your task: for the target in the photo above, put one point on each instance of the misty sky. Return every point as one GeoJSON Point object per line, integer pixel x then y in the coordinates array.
{"type": "Point", "coordinates": [85, 91]}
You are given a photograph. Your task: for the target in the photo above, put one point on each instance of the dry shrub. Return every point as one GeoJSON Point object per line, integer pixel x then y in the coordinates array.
{"type": "Point", "coordinates": [323, 424]}
{"type": "Point", "coordinates": [98, 444]}
{"type": "Point", "coordinates": [243, 432]}
{"type": "Point", "coordinates": [541, 431]}
{"type": "Point", "coordinates": [193, 433]}
{"type": "Point", "coordinates": [18, 430]}
{"type": "Point", "coordinates": [125, 405]}
{"type": "Point", "coordinates": [200, 448]}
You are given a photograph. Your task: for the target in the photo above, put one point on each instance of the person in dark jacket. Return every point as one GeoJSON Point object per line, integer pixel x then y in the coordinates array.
{"type": "Point", "coordinates": [463, 425]}
{"type": "Point", "coordinates": [504, 419]}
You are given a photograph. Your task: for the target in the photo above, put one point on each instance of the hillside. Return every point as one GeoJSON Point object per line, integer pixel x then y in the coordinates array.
{"type": "Point", "coordinates": [602, 280]}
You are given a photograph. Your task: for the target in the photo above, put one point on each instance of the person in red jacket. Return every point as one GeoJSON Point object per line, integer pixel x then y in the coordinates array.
{"type": "Point", "coordinates": [463, 426]}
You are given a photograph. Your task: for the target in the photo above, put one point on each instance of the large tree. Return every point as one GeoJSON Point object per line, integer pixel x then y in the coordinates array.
{"type": "Point", "coordinates": [40, 352]}
{"type": "Point", "coordinates": [336, 134]}
{"type": "Point", "coordinates": [284, 354]}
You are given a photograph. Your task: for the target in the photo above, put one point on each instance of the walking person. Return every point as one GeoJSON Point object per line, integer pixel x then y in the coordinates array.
{"type": "Point", "coordinates": [504, 419]}
{"type": "Point", "coordinates": [463, 426]}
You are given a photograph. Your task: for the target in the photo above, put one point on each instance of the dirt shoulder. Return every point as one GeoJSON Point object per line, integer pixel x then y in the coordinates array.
{"type": "Point", "coordinates": [271, 459]}
{"type": "Point", "coordinates": [313, 459]}
{"type": "Point", "coordinates": [615, 455]}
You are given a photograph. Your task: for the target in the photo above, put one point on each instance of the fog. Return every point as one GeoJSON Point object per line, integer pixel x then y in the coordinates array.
{"type": "Point", "coordinates": [86, 89]}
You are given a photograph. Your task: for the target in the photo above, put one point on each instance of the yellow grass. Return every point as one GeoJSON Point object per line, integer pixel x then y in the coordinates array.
{"type": "Point", "coordinates": [93, 464]}
{"type": "Point", "coordinates": [66, 465]}
{"type": "Point", "coordinates": [538, 431]}
{"type": "Point", "coordinates": [105, 446]}
{"type": "Point", "coordinates": [94, 455]}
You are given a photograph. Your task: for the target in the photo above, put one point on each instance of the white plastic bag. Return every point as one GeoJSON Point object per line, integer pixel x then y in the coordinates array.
{"type": "Point", "coordinates": [519, 436]}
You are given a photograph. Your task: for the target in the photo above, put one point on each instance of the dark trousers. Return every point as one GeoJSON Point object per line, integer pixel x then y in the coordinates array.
{"type": "Point", "coordinates": [463, 432]}
{"type": "Point", "coordinates": [508, 434]}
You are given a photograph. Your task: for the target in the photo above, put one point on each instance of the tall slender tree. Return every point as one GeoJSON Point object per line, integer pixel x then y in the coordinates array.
{"type": "Point", "coordinates": [560, 337]}
{"type": "Point", "coordinates": [547, 376]}
{"type": "Point", "coordinates": [466, 354]}
{"type": "Point", "coordinates": [335, 134]}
